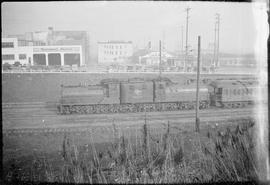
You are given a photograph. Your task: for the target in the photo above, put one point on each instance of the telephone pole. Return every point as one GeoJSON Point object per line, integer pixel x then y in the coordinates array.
{"type": "Point", "coordinates": [160, 58]}
{"type": "Point", "coordinates": [197, 121]}
{"type": "Point", "coordinates": [218, 26]}
{"type": "Point", "coordinates": [216, 46]}
{"type": "Point", "coordinates": [186, 54]}
{"type": "Point", "coordinates": [163, 40]}
{"type": "Point", "coordinates": [182, 40]}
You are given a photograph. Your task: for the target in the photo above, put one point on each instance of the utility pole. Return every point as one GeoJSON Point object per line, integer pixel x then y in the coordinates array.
{"type": "Point", "coordinates": [182, 41]}
{"type": "Point", "coordinates": [163, 40]}
{"type": "Point", "coordinates": [216, 46]}
{"type": "Point", "coordinates": [197, 126]}
{"type": "Point", "coordinates": [186, 55]}
{"type": "Point", "coordinates": [160, 58]}
{"type": "Point", "coordinates": [218, 25]}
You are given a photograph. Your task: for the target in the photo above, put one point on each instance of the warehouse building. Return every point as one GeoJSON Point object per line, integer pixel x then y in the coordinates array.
{"type": "Point", "coordinates": [54, 39]}
{"type": "Point", "coordinates": [40, 55]}
{"type": "Point", "coordinates": [114, 51]}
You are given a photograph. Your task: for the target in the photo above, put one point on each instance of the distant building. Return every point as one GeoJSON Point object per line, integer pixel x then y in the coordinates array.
{"type": "Point", "coordinates": [40, 55]}
{"type": "Point", "coordinates": [152, 58]}
{"type": "Point", "coordinates": [114, 51]}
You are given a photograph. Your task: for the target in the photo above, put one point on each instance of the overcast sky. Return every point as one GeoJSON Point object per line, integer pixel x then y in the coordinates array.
{"type": "Point", "coordinates": [140, 21]}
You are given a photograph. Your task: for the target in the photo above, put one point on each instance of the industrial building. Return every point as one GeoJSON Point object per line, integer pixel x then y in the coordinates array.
{"type": "Point", "coordinates": [40, 55]}
{"type": "Point", "coordinates": [114, 51]}
{"type": "Point", "coordinates": [48, 47]}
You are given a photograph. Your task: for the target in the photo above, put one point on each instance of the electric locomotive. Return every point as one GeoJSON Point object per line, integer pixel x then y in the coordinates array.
{"type": "Point", "coordinates": [132, 95]}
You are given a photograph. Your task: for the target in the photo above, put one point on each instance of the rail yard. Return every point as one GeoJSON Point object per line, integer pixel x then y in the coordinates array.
{"type": "Point", "coordinates": [34, 124]}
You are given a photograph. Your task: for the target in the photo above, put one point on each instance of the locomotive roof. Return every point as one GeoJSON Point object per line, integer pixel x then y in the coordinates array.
{"type": "Point", "coordinates": [232, 83]}
{"type": "Point", "coordinates": [109, 81]}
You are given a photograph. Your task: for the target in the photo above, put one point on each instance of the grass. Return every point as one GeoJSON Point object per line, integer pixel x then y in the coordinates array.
{"type": "Point", "coordinates": [148, 156]}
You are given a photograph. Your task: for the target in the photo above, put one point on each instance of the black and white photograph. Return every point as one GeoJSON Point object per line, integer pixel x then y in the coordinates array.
{"type": "Point", "coordinates": [135, 92]}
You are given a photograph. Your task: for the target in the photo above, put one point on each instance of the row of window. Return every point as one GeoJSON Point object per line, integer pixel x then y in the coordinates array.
{"type": "Point", "coordinates": [114, 46]}
{"type": "Point", "coordinates": [12, 57]}
{"type": "Point", "coordinates": [7, 45]}
{"type": "Point", "coordinates": [239, 92]}
{"type": "Point", "coordinates": [115, 52]}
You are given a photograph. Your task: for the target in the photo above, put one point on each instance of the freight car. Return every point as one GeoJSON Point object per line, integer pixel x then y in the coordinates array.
{"type": "Point", "coordinates": [133, 95]}
{"type": "Point", "coordinates": [233, 93]}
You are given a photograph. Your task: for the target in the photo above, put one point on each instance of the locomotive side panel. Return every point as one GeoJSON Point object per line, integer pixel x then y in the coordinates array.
{"type": "Point", "coordinates": [82, 95]}
{"type": "Point", "coordinates": [136, 92]}
{"type": "Point", "coordinates": [159, 91]}
{"type": "Point", "coordinates": [177, 93]}
{"type": "Point", "coordinates": [112, 94]}
{"type": "Point", "coordinates": [91, 95]}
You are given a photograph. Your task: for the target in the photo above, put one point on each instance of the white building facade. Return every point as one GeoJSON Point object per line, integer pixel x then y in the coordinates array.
{"type": "Point", "coordinates": [114, 51]}
{"type": "Point", "coordinates": [40, 55]}
{"type": "Point", "coordinates": [152, 58]}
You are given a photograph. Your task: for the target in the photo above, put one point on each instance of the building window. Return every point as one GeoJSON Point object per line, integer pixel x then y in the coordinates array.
{"type": "Point", "coordinates": [8, 57]}
{"type": "Point", "coordinates": [112, 47]}
{"type": "Point", "coordinates": [116, 53]}
{"type": "Point", "coordinates": [120, 47]}
{"type": "Point", "coordinates": [22, 56]}
{"type": "Point", "coordinates": [120, 53]}
{"type": "Point", "coordinates": [116, 47]}
{"type": "Point", "coordinates": [7, 45]}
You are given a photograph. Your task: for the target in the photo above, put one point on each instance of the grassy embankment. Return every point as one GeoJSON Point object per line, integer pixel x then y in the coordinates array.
{"type": "Point", "coordinates": [170, 156]}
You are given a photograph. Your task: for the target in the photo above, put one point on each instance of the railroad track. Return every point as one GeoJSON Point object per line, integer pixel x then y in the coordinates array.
{"type": "Point", "coordinates": [41, 119]}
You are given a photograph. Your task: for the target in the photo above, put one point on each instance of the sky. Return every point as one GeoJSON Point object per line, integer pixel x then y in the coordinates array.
{"type": "Point", "coordinates": [141, 22]}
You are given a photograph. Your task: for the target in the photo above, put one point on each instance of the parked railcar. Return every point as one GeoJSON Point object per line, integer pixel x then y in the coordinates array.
{"type": "Point", "coordinates": [232, 93]}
